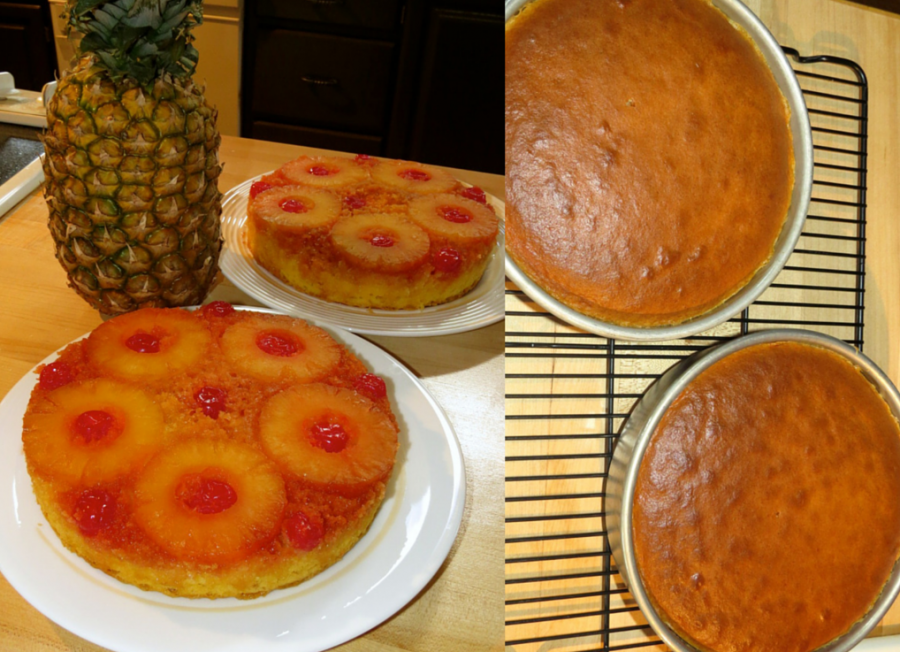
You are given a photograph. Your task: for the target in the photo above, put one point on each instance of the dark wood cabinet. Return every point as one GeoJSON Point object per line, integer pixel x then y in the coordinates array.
{"type": "Point", "coordinates": [459, 95]}
{"type": "Point", "coordinates": [322, 80]}
{"type": "Point", "coordinates": [341, 141]}
{"type": "Point", "coordinates": [371, 14]}
{"type": "Point", "coordinates": [26, 43]}
{"type": "Point", "coordinates": [415, 79]}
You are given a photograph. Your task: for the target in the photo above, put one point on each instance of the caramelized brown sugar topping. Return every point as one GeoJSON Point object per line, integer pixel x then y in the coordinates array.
{"type": "Point", "coordinates": [144, 444]}
{"type": "Point", "coordinates": [649, 163]}
{"type": "Point", "coordinates": [767, 506]}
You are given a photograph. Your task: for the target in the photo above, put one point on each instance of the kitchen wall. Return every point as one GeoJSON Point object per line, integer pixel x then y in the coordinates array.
{"type": "Point", "coordinates": [65, 49]}
{"type": "Point", "coordinates": [218, 41]}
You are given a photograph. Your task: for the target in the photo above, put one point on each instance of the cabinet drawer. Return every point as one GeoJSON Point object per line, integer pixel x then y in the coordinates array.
{"type": "Point", "coordinates": [322, 138]}
{"type": "Point", "coordinates": [331, 81]}
{"type": "Point", "coordinates": [373, 14]}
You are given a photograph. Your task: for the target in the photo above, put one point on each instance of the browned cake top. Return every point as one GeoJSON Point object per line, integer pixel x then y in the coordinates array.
{"type": "Point", "coordinates": [649, 163]}
{"type": "Point", "coordinates": [767, 507]}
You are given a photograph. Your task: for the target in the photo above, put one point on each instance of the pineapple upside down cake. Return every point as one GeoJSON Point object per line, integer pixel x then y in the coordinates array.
{"type": "Point", "coordinates": [213, 453]}
{"type": "Point", "coordinates": [371, 233]}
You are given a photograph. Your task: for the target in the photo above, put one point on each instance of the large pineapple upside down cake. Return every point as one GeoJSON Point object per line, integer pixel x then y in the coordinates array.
{"type": "Point", "coordinates": [212, 453]}
{"type": "Point", "coordinates": [371, 233]}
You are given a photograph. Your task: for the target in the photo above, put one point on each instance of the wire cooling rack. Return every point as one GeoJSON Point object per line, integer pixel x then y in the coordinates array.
{"type": "Point", "coordinates": [568, 392]}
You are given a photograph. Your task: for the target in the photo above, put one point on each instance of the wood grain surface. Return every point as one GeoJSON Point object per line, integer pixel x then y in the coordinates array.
{"type": "Point", "coordinates": [461, 609]}
{"type": "Point", "coordinates": [558, 439]}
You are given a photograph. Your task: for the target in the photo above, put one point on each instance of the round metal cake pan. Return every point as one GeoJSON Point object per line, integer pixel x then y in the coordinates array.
{"type": "Point", "coordinates": [801, 134]}
{"type": "Point", "coordinates": [635, 437]}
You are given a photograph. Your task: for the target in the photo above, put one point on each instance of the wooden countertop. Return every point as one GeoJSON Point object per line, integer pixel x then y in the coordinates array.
{"type": "Point", "coordinates": [871, 38]}
{"type": "Point", "coordinates": [550, 456]}
{"type": "Point", "coordinates": [462, 607]}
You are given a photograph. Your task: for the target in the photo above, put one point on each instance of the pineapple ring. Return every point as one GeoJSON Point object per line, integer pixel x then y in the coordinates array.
{"type": "Point", "coordinates": [364, 455]}
{"type": "Point", "coordinates": [55, 448]}
{"type": "Point", "coordinates": [381, 242]}
{"type": "Point", "coordinates": [455, 218]}
{"type": "Point", "coordinates": [181, 341]}
{"type": "Point", "coordinates": [313, 356]}
{"type": "Point", "coordinates": [413, 177]}
{"type": "Point", "coordinates": [324, 171]}
{"type": "Point", "coordinates": [296, 208]}
{"type": "Point", "coordinates": [186, 532]}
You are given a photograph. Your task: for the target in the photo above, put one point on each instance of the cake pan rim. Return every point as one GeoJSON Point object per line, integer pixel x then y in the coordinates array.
{"type": "Point", "coordinates": [801, 134]}
{"type": "Point", "coordinates": [635, 436]}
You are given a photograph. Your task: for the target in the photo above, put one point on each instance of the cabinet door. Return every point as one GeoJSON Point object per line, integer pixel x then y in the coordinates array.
{"type": "Point", "coordinates": [374, 14]}
{"type": "Point", "coordinates": [459, 117]}
{"type": "Point", "coordinates": [24, 46]}
{"type": "Point", "coordinates": [323, 81]}
{"type": "Point", "coordinates": [322, 138]}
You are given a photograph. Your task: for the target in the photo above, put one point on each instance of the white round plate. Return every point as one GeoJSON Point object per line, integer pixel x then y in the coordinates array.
{"type": "Point", "coordinates": [405, 546]}
{"type": "Point", "coordinates": [480, 307]}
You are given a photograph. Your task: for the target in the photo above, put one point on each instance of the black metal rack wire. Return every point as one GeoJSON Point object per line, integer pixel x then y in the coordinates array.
{"type": "Point", "coordinates": [563, 589]}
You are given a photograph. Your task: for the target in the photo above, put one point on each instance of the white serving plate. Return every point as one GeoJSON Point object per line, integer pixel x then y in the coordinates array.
{"type": "Point", "coordinates": [405, 546]}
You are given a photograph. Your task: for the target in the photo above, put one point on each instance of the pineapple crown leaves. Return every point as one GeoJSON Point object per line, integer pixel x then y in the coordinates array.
{"type": "Point", "coordinates": [142, 39]}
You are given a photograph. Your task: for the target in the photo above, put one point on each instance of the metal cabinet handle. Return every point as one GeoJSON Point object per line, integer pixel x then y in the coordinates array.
{"type": "Point", "coordinates": [319, 81]}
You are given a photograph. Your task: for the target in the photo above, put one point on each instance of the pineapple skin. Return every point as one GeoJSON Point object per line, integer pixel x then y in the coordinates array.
{"type": "Point", "coordinates": [132, 189]}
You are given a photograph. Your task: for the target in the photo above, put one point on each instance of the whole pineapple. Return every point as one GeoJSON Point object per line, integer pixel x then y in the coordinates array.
{"type": "Point", "coordinates": [132, 159]}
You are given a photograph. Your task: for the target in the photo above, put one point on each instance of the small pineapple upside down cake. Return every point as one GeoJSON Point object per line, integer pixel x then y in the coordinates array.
{"type": "Point", "coordinates": [209, 454]}
{"type": "Point", "coordinates": [371, 233]}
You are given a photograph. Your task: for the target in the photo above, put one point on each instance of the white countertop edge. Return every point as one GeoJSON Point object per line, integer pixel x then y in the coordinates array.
{"type": "Point", "coordinates": [20, 185]}
{"type": "Point", "coordinates": [23, 119]}
{"type": "Point", "coordinates": [879, 644]}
